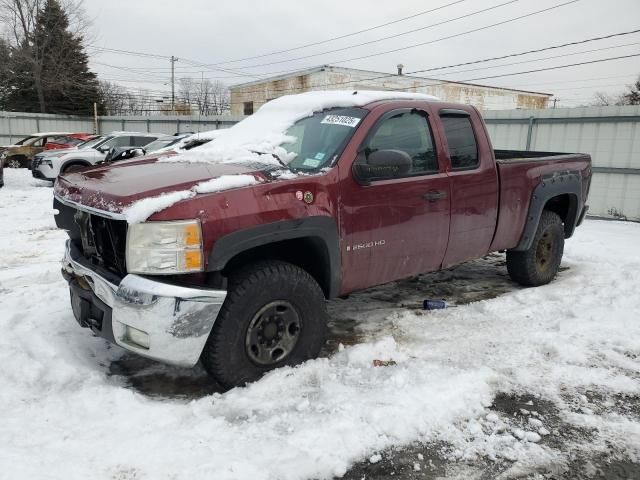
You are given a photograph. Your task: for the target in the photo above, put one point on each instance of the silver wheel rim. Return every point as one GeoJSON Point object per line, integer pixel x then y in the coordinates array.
{"type": "Point", "coordinates": [273, 333]}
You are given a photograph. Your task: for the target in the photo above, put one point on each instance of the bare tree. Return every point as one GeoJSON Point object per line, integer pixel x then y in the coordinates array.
{"type": "Point", "coordinates": [113, 97]}
{"type": "Point", "coordinates": [630, 97]}
{"type": "Point", "coordinates": [205, 97]}
{"type": "Point", "coordinates": [601, 99]}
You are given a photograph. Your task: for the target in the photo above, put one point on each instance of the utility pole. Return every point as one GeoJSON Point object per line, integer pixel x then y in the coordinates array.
{"type": "Point", "coordinates": [95, 117]}
{"type": "Point", "coordinates": [173, 83]}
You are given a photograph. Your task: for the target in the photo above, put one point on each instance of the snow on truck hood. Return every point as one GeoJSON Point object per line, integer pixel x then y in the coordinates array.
{"type": "Point", "coordinates": [139, 188]}
{"type": "Point", "coordinates": [114, 189]}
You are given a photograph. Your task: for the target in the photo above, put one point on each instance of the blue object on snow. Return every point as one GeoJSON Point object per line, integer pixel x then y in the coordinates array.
{"type": "Point", "coordinates": [429, 304]}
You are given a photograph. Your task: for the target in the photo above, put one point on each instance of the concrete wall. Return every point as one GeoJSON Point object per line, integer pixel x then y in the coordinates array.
{"type": "Point", "coordinates": [485, 98]}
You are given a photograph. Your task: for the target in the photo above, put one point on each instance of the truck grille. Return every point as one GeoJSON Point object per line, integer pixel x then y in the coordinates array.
{"type": "Point", "coordinates": [103, 241]}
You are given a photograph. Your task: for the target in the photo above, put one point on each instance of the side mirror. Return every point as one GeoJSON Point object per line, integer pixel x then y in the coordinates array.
{"type": "Point", "coordinates": [382, 164]}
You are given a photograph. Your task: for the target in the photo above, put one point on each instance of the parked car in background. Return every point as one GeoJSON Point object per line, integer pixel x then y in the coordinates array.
{"type": "Point", "coordinates": [21, 153]}
{"type": "Point", "coordinates": [70, 141]}
{"type": "Point", "coordinates": [50, 164]}
{"type": "Point", "coordinates": [162, 144]}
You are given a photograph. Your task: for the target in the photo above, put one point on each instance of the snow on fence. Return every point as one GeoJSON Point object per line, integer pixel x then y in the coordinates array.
{"type": "Point", "coordinates": [610, 134]}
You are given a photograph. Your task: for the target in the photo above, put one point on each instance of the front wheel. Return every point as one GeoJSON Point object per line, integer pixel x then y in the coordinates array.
{"type": "Point", "coordinates": [540, 263]}
{"type": "Point", "coordinates": [14, 162]}
{"type": "Point", "coordinates": [274, 315]}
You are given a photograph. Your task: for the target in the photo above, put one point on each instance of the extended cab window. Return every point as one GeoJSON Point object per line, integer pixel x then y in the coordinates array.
{"type": "Point", "coordinates": [463, 149]}
{"type": "Point", "coordinates": [408, 132]}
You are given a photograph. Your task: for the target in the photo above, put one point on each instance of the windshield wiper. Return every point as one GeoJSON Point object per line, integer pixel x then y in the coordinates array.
{"type": "Point", "coordinates": [274, 155]}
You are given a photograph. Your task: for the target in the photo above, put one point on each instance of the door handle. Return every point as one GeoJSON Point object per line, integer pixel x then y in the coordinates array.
{"type": "Point", "coordinates": [434, 195]}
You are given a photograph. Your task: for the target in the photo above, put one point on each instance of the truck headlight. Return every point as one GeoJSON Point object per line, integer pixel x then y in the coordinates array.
{"type": "Point", "coordinates": [165, 247]}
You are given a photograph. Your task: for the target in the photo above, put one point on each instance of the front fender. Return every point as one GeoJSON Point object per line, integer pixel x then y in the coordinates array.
{"type": "Point", "coordinates": [321, 227]}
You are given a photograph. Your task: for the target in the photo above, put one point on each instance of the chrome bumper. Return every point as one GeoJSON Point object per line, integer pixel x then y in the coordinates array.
{"type": "Point", "coordinates": [177, 320]}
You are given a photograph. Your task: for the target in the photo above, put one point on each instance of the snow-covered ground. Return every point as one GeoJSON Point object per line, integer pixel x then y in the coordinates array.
{"type": "Point", "coordinates": [567, 354]}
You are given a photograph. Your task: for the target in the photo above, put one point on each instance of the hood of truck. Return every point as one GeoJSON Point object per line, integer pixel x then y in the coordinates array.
{"type": "Point", "coordinates": [116, 186]}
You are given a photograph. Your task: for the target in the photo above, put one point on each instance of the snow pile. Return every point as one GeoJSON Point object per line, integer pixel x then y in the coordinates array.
{"type": "Point", "coordinates": [567, 344]}
{"type": "Point", "coordinates": [225, 182]}
{"type": "Point", "coordinates": [264, 131]}
{"type": "Point", "coordinates": [142, 209]}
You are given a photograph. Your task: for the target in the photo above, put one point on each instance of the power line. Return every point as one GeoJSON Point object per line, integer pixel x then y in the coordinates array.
{"type": "Point", "coordinates": [262, 75]}
{"type": "Point", "coordinates": [377, 40]}
{"type": "Point", "coordinates": [538, 50]}
{"type": "Point", "coordinates": [530, 71]}
{"type": "Point", "coordinates": [540, 59]}
{"type": "Point", "coordinates": [340, 37]}
{"type": "Point", "coordinates": [490, 59]}
{"type": "Point", "coordinates": [430, 42]}
{"type": "Point", "coordinates": [168, 57]}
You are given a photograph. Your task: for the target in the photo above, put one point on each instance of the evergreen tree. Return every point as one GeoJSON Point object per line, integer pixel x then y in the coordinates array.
{"type": "Point", "coordinates": [50, 70]}
{"type": "Point", "coordinates": [5, 72]}
{"type": "Point", "coordinates": [632, 97]}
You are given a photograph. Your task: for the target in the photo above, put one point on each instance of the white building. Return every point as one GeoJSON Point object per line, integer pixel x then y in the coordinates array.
{"type": "Point", "coordinates": [248, 97]}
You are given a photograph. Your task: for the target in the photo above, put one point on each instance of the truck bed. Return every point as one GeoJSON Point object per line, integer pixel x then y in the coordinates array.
{"type": "Point", "coordinates": [520, 172]}
{"type": "Point", "coordinates": [510, 156]}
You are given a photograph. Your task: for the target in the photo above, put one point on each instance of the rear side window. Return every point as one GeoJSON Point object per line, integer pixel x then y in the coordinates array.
{"type": "Point", "coordinates": [463, 149]}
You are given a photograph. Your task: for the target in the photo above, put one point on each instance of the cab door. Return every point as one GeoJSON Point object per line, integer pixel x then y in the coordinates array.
{"type": "Point", "coordinates": [474, 184]}
{"type": "Point", "coordinates": [395, 225]}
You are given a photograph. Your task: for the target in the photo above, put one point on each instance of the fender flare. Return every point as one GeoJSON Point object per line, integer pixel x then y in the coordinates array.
{"type": "Point", "coordinates": [567, 182]}
{"type": "Point", "coordinates": [319, 227]}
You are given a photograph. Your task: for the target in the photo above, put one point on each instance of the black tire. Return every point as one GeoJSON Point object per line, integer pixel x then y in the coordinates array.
{"type": "Point", "coordinates": [282, 299]}
{"type": "Point", "coordinates": [16, 162]}
{"type": "Point", "coordinates": [540, 264]}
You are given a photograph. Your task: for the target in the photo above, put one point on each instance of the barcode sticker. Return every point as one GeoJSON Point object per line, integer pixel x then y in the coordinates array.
{"type": "Point", "coordinates": [341, 120]}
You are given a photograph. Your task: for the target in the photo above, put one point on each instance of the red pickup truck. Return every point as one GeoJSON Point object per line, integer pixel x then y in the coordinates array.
{"type": "Point", "coordinates": [228, 257]}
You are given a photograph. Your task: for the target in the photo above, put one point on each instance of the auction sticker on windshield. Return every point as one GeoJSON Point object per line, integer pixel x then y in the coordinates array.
{"type": "Point", "coordinates": [341, 120]}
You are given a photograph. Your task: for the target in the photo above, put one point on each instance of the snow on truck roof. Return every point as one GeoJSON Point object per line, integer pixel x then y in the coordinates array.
{"type": "Point", "coordinates": [266, 129]}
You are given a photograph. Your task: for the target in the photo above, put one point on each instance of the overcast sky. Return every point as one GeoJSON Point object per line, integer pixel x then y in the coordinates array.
{"type": "Point", "coordinates": [207, 32]}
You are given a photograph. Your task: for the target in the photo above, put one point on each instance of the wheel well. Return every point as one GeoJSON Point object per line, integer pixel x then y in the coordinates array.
{"type": "Point", "coordinates": [71, 163]}
{"type": "Point", "coordinates": [566, 206]}
{"type": "Point", "coordinates": [308, 253]}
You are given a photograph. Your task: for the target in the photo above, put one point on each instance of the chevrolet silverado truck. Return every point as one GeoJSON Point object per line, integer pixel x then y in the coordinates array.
{"type": "Point", "coordinates": [359, 190]}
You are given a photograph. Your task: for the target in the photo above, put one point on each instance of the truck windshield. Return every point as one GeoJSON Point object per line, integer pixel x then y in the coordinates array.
{"type": "Point", "coordinates": [320, 138]}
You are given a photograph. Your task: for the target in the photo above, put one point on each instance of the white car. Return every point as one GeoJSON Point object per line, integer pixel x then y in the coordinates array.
{"type": "Point", "coordinates": [51, 163]}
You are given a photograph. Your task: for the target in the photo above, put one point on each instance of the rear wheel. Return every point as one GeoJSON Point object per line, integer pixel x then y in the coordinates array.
{"type": "Point", "coordinates": [540, 263]}
{"type": "Point", "coordinates": [274, 315]}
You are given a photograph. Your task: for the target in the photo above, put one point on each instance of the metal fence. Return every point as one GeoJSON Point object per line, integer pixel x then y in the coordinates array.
{"type": "Point", "coordinates": [610, 134]}
{"type": "Point", "coordinates": [15, 126]}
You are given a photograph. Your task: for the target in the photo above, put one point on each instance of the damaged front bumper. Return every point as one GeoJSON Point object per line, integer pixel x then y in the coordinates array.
{"type": "Point", "coordinates": [158, 320]}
